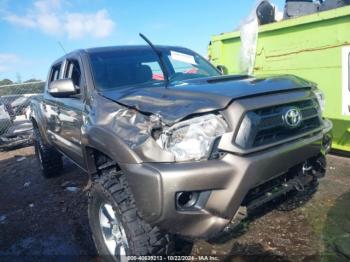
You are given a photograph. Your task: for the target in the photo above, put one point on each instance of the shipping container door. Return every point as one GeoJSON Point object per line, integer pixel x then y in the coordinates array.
{"type": "Point", "coordinates": [346, 81]}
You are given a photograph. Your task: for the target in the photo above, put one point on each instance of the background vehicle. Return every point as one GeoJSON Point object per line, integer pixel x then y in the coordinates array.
{"type": "Point", "coordinates": [8, 107]}
{"type": "Point", "coordinates": [5, 118]}
{"type": "Point", "coordinates": [183, 155]}
{"type": "Point", "coordinates": [20, 103]}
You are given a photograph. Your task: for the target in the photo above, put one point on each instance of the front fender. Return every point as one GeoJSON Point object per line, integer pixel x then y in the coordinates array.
{"type": "Point", "coordinates": [108, 143]}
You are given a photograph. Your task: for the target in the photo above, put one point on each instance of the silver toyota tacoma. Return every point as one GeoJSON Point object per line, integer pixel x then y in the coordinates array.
{"type": "Point", "coordinates": [173, 149]}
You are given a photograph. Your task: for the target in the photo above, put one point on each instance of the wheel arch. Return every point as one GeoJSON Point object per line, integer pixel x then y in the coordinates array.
{"type": "Point", "coordinates": [99, 141]}
{"type": "Point", "coordinates": [36, 124]}
{"type": "Point", "coordinates": [97, 160]}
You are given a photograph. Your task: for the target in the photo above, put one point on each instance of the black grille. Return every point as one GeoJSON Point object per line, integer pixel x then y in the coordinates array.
{"type": "Point", "coordinates": [267, 125]}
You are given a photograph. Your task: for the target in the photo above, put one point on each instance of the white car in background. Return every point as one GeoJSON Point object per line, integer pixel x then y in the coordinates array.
{"type": "Point", "coordinates": [5, 119]}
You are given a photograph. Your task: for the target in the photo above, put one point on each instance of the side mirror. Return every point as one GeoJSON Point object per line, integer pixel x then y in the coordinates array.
{"type": "Point", "coordinates": [62, 88]}
{"type": "Point", "coordinates": [222, 69]}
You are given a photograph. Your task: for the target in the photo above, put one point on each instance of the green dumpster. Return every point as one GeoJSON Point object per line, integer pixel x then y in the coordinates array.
{"type": "Point", "coordinates": [315, 47]}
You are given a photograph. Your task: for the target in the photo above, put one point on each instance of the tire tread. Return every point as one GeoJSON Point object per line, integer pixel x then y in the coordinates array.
{"type": "Point", "coordinates": [147, 240]}
{"type": "Point", "coordinates": [52, 162]}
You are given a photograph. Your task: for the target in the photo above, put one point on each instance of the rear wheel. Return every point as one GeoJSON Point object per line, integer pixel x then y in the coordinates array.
{"type": "Point", "coordinates": [117, 228]}
{"type": "Point", "coordinates": [50, 160]}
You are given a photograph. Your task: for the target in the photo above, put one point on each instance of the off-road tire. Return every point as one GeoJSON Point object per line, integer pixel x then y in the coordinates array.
{"type": "Point", "coordinates": [143, 239]}
{"type": "Point", "coordinates": [50, 160]}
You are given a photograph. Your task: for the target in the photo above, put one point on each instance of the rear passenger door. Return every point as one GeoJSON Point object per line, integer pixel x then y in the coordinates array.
{"type": "Point", "coordinates": [70, 112]}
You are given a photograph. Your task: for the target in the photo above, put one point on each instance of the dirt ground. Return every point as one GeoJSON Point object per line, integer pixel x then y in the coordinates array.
{"type": "Point", "coordinates": [49, 217]}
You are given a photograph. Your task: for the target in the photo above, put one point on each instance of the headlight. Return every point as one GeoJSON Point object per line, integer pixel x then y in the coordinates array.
{"type": "Point", "coordinates": [321, 98]}
{"type": "Point", "coordinates": [193, 139]}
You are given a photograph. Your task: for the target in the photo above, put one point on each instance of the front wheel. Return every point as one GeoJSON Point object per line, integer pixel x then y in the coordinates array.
{"type": "Point", "coordinates": [118, 230]}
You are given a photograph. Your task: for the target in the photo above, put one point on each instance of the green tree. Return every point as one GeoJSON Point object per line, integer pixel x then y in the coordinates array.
{"type": "Point", "coordinates": [5, 82]}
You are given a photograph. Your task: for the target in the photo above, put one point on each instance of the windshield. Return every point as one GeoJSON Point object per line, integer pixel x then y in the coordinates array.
{"type": "Point", "coordinates": [140, 67]}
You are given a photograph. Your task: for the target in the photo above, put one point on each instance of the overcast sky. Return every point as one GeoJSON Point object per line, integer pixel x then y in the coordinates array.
{"type": "Point", "coordinates": [30, 29]}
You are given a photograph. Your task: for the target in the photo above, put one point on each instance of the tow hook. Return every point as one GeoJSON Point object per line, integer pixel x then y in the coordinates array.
{"type": "Point", "coordinates": [316, 168]}
{"type": "Point", "coordinates": [306, 168]}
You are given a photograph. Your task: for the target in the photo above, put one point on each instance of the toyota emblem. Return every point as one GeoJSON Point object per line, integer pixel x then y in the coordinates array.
{"type": "Point", "coordinates": [292, 117]}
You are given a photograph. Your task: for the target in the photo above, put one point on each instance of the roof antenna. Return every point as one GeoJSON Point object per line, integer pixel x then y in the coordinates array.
{"type": "Point", "coordinates": [160, 57]}
{"type": "Point", "coordinates": [60, 44]}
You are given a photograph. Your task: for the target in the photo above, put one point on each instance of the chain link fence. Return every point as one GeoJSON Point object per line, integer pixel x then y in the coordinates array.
{"type": "Point", "coordinates": [15, 127]}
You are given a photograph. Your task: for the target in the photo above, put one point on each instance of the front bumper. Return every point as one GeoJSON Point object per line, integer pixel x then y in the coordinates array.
{"type": "Point", "coordinates": [228, 180]}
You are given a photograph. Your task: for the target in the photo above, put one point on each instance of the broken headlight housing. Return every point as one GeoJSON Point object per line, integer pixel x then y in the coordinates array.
{"type": "Point", "coordinates": [193, 139]}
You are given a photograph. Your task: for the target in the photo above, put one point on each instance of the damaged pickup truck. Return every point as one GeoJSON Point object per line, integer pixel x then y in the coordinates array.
{"type": "Point", "coordinates": [173, 148]}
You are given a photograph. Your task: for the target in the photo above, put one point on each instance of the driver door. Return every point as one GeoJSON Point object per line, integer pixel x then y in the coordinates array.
{"type": "Point", "coordinates": [70, 112]}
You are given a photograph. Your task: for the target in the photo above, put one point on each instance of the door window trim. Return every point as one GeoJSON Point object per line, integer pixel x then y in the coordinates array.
{"type": "Point", "coordinates": [82, 94]}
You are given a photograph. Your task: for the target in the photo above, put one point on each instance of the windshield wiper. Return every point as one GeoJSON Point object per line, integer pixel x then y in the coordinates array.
{"type": "Point", "coordinates": [160, 57]}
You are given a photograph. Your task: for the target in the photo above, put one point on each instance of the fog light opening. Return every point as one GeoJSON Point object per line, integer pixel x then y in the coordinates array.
{"type": "Point", "coordinates": [187, 199]}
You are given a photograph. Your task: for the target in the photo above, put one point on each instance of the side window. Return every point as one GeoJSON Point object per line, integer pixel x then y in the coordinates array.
{"type": "Point", "coordinates": [55, 72]}
{"type": "Point", "coordinates": [73, 72]}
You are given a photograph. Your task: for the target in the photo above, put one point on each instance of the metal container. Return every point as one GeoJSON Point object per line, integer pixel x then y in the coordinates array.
{"type": "Point", "coordinates": [315, 47]}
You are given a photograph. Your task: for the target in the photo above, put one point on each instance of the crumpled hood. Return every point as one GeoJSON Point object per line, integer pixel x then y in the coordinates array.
{"type": "Point", "coordinates": [200, 95]}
